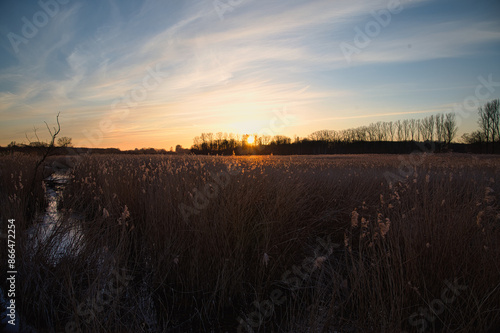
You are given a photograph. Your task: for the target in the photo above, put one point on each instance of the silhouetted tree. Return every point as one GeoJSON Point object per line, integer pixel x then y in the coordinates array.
{"type": "Point", "coordinates": [489, 122]}
{"type": "Point", "coordinates": [46, 150]}
{"type": "Point", "coordinates": [476, 137]}
{"type": "Point", "coordinates": [449, 127]}
{"type": "Point", "coordinates": [64, 142]}
{"type": "Point", "coordinates": [384, 137]}
{"type": "Point", "coordinates": [427, 128]}
{"type": "Point", "coordinates": [413, 128]}
{"type": "Point", "coordinates": [391, 129]}
{"type": "Point", "coordinates": [440, 130]}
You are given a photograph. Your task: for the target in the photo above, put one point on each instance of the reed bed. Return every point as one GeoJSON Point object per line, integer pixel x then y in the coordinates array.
{"type": "Point", "coordinates": [349, 243]}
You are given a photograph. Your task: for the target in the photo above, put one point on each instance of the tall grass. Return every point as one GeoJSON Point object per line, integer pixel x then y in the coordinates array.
{"type": "Point", "coordinates": [399, 244]}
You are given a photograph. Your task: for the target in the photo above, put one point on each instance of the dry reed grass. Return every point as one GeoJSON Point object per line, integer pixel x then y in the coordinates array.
{"type": "Point", "coordinates": [400, 242]}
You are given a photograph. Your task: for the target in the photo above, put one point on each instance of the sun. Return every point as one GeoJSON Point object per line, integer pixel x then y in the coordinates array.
{"type": "Point", "coordinates": [251, 140]}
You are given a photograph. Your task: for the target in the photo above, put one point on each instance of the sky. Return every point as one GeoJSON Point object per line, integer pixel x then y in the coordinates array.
{"type": "Point", "coordinates": [132, 74]}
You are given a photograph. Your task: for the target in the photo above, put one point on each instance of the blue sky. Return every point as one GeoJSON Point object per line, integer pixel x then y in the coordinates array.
{"type": "Point", "coordinates": [158, 73]}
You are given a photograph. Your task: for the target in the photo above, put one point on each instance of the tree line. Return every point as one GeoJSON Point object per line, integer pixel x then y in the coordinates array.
{"type": "Point", "coordinates": [392, 136]}
{"type": "Point", "coordinates": [399, 136]}
{"type": "Point", "coordinates": [61, 142]}
{"type": "Point", "coordinates": [439, 128]}
{"type": "Point", "coordinates": [488, 134]}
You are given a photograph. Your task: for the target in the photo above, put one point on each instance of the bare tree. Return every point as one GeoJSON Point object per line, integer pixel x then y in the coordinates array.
{"type": "Point", "coordinates": [315, 136]}
{"type": "Point", "coordinates": [390, 130]}
{"type": "Point", "coordinates": [474, 137]}
{"type": "Point", "coordinates": [492, 113]}
{"type": "Point", "coordinates": [322, 135]}
{"type": "Point", "coordinates": [406, 129]}
{"type": "Point", "coordinates": [495, 106]}
{"type": "Point", "coordinates": [265, 139]}
{"type": "Point", "coordinates": [64, 142]}
{"type": "Point", "coordinates": [418, 126]}
{"type": "Point", "coordinates": [197, 143]}
{"type": "Point", "coordinates": [422, 130]}
{"type": "Point", "coordinates": [430, 127]}
{"type": "Point", "coordinates": [380, 131]}
{"type": "Point", "coordinates": [385, 130]}
{"type": "Point", "coordinates": [342, 136]}
{"type": "Point", "coordinates": [449, 127]}
{"type": "Point", "coordinates": [50, 145]}
{"type": "Point", "coordinates": [326, 135]}
{"type": "Point", "coordinates": [372, 132]}
{"type": "Point", "coordinates": [427, 128]}
{"type": "Point", "coordinates": [281, 140]}
{"type": "Point", "coordinates": [413, 129]}
{"type": "Point", "coordinates": [399, 129]}
{"type": "Point", "coordinates": [489, 121]}
{"type": "Point", "coordinates": [46, 149]}
{"type": "Point", "coordinates": [334, 136]}
{"type": "Point", "coordinates": [349, 135]}
{"type": "Point", "coordinates": [440, 130]}
{"type": "Point", "coordinates": [218, 140]}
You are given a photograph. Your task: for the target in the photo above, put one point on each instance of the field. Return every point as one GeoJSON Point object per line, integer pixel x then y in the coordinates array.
{"type": "Point", "coordinates": [345, 243]}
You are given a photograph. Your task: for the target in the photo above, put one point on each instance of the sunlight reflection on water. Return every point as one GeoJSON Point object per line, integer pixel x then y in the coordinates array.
{"type": "Point", "coordinates": [58, 235]}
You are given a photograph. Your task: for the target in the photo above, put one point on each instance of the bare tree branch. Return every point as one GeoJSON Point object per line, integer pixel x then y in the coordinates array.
{"type": "Point", "coordinates": [56, 131]}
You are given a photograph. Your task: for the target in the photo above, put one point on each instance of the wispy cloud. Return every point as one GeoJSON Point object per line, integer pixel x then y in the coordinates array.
{"type": "Point", "coordinates": [220, 73]}
{"type": "Point", "coordinates": [454, 39]}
